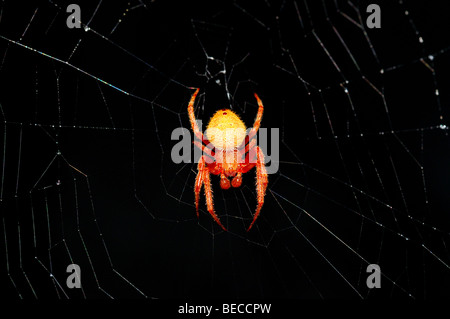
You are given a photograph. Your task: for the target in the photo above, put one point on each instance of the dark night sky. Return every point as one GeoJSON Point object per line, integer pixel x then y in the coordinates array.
{"type": "Point", "coordinates": [87, 175]}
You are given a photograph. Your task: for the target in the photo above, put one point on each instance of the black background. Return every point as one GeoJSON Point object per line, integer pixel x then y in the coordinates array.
{"type": "Point", "coordinates": [88, 176]}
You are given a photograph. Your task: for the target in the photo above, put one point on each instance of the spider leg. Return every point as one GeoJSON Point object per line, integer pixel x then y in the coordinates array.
{"type": "Point", "coordinates": [249, 162]}
{"type": "Point", "coordinates": [194, 124]}
{"type": "Point", "coordinates": [247, 147]}
{"type": "Point", "coordinates": [192, 119]}
{"type": "Point", "coordinates": [258, 118]}
{"type": "Point", "coordinates": [205, 149]}
{"type": "Point", "coordinates": [250, 158]}
{"type": "Point", "coordinates": [199, 181]}
{"type": "Point", "coordinates": [256, 124]}
{"type": "Point", "coordinates": [261, 183]}
{"type": "Point", "coordinates": [209, 197]}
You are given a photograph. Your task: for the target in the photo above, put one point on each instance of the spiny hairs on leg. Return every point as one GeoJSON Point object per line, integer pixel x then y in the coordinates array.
{"type": "Point", "coordinates": [261, 183]}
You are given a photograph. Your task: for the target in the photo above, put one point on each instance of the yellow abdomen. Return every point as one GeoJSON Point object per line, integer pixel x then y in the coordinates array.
{"type": "Point", "coordinates": [226, 130]}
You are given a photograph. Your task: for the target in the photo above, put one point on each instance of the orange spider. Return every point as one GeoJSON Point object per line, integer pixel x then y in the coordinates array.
{"type": "Point", "coordinates": [227, 155]}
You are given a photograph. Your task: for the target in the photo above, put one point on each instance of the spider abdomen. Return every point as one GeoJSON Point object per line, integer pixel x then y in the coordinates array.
{"type": "Point", "coordinates": [225, 130]}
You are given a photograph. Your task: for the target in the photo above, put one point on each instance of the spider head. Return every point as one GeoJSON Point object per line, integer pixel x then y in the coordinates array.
{"type": "Point", "coordinates": [225, 130]}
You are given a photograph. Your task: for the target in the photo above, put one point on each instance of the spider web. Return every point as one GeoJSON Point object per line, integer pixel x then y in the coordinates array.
{"type": "Point", "coordinates": [87, 176]}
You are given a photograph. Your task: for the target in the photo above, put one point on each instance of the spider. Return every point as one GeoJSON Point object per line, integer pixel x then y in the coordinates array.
{"type": "Point", "coordinates": [227, 156]}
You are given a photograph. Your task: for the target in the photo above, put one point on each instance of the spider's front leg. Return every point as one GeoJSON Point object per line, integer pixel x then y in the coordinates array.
{"type": "Point", "coordinates": [204, 177]}
{"type": "Point", "coordinates": [261, 183]}
{"type": "Point", "coordinates": [199, 181]}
